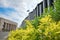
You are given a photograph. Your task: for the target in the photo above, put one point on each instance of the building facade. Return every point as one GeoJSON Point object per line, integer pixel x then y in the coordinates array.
{"type": "Point", "coordinates": [24, 23]}
{"type": "Point", "coordinates": [7, 25]}
{"type": "Point", "coordinates": [44, 4]}
{"type": "Point", "coordinates": [32, 14]}
{"type": "Point", "coordinates": [39, 10]}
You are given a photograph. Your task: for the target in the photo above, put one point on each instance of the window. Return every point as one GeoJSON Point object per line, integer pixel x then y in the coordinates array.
{"type": "Point", "coordinates": [42, 7]}
{"type": "Point", "coordinates": [51, 2]}
{"type": "Point", "coordinates": [45, 3]}
{"type": "Point", "coordinates": [38, 10]}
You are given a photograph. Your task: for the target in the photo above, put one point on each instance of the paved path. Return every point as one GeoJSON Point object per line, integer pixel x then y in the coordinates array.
{"type": "Point", "coordinates": [3, 35]}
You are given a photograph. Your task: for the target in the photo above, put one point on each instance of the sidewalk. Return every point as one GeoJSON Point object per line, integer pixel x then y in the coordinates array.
{"type": "Point", "coordinates": [3, 35]}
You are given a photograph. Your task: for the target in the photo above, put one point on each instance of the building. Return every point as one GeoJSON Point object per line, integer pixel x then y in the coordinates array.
{"type": "Point", "coordinates": [39, 10]}
{"type": "Point", "coordinates": [23, 23]}
{"type": "Point", "coordinates": [32, 14]}
{"type": "Point", "coordinates": [42, 5]}
{"type": "Point", "coordinates": [7, 25]}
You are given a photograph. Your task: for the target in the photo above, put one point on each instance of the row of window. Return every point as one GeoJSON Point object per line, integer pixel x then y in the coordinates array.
{"type": "Point", "coordinates": [42, 5]}
{"type": "Point", "coordinates": [39, 9]}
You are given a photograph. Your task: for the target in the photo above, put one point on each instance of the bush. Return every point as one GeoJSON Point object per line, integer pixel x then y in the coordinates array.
{"type": "Point", "coordinates": [48, 29]}
{"type": "Point", "coordinates": [30, 33]}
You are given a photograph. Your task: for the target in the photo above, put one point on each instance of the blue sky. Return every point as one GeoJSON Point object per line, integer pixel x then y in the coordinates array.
{"type": "Point", "coordinates": [16, 10]}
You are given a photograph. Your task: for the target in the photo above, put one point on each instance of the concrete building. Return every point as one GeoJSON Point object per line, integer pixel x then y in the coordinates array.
{"type": "Point", "coordinates": [32, 14]}
{"type": "Point", "coordinates": [23, 23]}
{"type": "Point", "coordinates": [7, 25]}
{"type": "Point", "coordinates": [42, 5]}
{"type": "Point", "coordinates": [39, 10]}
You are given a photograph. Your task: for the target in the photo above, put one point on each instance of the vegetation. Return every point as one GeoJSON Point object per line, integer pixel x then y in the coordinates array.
{"type": "Point", "coordinates": [46, 30]}
{"type": "Point", "coordinates": [46, 27]}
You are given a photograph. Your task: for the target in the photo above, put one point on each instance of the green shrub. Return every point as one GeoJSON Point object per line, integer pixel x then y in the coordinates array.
{"type": "Point", "coordinates": [49, 29]}
{"type": "Point", "coordinates": [45, 27]}
{"type": "Point", "coordinates": [55, 13]}
{"type": "Point", "coordinates": [30, 33]}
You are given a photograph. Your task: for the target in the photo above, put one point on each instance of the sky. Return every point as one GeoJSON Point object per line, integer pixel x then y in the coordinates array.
{"type": "Point", "coordinates": [16, 10]}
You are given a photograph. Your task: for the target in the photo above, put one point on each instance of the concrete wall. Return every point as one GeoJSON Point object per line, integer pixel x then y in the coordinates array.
{"type": "Point", "coordinates": [0, 25]}
{"type": "Point", "coordinates": [32, 14]}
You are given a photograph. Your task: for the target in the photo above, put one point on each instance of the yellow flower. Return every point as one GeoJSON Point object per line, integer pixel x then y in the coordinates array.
{"type": "Point", "coordinates": [45, 19]}
{"type": "Point", "coordinates": [28, 23]}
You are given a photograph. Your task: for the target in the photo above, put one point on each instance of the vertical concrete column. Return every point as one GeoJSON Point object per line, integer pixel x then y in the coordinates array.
{"type": "Point", "coordinates": [8, 27]}
{"type": "Point", "coordinates": [12, 26]}
{"type": "Point", "coordinates": [0, 25]}
{"type": "Point", "coordinates": [40, 9]}
{"type": "Point", "coordinates": [43, 5]}
{"type": "Point", "coordinates": [37, 11]}
{"type": "Point", "coordinates": [48, 4]}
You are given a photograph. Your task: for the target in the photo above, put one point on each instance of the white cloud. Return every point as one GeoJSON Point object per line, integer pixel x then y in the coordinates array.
{"type": "Point", "coordinates": [21, 7]}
